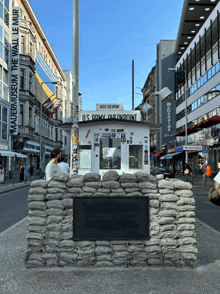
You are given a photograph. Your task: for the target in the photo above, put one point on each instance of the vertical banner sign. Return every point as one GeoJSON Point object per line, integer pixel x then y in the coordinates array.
{"type": "Point", "coordinates": [14, 89]}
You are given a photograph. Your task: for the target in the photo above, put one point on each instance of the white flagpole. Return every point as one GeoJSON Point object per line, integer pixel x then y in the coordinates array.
{"type": "Point", "coordinates": [75, 129]}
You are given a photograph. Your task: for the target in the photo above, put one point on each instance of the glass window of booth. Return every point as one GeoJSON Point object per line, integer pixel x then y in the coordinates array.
{"type": "Point", "coordinates": [110, 153]}
{"type": "Point", "coordinates": [135, 156]}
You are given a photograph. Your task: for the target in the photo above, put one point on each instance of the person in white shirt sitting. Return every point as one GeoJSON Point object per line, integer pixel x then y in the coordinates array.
{"type": "Point", "coordinates": [64, 167]}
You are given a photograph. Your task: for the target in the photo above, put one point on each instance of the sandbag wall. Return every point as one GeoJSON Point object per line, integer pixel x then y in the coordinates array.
{"type": "Point", "coordinates": [50, 222]}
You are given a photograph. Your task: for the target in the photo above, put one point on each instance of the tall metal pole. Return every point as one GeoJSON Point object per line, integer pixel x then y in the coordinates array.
{"type": "Point", "coordinates": [186, 132]}
{"type": "Point", "coordinates": [41, 125]}
{"type": "Point", "coordinates": [132, 84]}
{"type": "Point", "coordinates": [75, 129]}
{"type": "Point", "coordinates": [76, 59]}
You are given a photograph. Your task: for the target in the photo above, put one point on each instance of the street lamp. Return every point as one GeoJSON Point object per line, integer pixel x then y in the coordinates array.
{"type": "Point", "coordinates": [165, 92]}
{"type": "Point", "coordinates": [186, 121]}
{"type": "Point", "coordinates": [41, 119]}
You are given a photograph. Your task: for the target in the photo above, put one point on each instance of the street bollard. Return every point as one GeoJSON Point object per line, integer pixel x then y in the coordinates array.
{"type": "Point", "coordinates": [204, 180]}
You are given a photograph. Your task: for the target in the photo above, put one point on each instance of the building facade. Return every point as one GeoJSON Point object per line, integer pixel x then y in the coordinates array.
{"type": "Point", "coordinates": [197, 81]}
{"type": "Point", "coordinates": [30, 76]}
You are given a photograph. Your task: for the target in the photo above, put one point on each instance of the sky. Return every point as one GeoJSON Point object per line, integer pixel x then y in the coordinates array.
{"type": "Point", "coordinates": [111, 35]}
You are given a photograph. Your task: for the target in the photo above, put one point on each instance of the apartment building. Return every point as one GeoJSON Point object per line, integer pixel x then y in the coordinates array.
{"type": "Point", "coordinates": [30, 75]}
{"type": "Point", "coordinates": [197, 79]}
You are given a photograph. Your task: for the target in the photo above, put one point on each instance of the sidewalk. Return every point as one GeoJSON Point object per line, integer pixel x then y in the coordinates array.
{"type": "Point", "coordinates": [16, 278]}
{"type": "Point", "coordinates": [11, 185]}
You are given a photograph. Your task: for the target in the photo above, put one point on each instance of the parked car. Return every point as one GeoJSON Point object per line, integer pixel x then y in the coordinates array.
{"type": "Point", "coordinates": [166, 171]}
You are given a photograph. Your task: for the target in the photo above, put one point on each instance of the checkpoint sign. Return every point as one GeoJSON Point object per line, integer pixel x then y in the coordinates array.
{"type": "Point", "coordinates": [205, 149]}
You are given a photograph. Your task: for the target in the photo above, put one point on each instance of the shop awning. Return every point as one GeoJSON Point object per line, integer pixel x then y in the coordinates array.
{"type": "Point", "coordinates": [208, 122]}
{"type": "Point", "coordinates": [7, 153]}
{"type": "Point", "coordinates": [158, 153]}
{"type": "Point", "coordinates": [11, 153]}
{"type": "Point", "coordinates": [171, 155]}
{"type": "Point", "coordinates": [191, 130]}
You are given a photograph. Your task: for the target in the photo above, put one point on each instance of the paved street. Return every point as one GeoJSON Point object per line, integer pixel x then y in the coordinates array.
{"type": "Point", "coordinates": [13, 207]}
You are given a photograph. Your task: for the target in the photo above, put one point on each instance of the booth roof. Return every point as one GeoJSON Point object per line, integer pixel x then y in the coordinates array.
{"type": "Point", "coordinates": [67, 126]}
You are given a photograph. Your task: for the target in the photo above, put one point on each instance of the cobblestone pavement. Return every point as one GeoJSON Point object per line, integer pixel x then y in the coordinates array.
{"type": "Point", "coordinates": [13, 207]}
{"type": "Point", "coordinates": [16, 279]}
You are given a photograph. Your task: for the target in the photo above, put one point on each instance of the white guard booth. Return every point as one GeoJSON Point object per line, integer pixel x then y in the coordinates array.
{"type": "Point", "coordinates": [113, 139]}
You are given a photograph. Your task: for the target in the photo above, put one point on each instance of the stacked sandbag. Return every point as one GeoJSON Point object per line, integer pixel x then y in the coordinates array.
{"type": "Point", "coordinates": [186, 223]}
{"type": "Point", "coordinates": [167, 221]}
{"type": "Point", "coordinates": [50, 223]}
{"type": "Point", "coordinates": [37, 218]}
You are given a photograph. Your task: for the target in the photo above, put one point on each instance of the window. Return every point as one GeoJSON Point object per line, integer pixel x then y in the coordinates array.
{"type": "Point", "coordinates": [30, 116]}
{"type": "Point", "coordinates": [22, 79]}
{"type": "Point", "coordinates": [85, 154]}
{"type": "Point", "coordinates": [5, 92]}
{"type": "Point", "coordinates": [7, 4]}
{"type": "Point", "coordinates": [209, 74]}
{"type": "Point", "coordinates": [135, 156]}
{"type": "Point", "coordinates": [217, 67]}
{"type": "Point", "coordinates": [205, 78]}
{"type": "Point", "coordinates": [5, 76]}
{"type": "Point", "coordinates": [56, 134]}
{"type": "Point", "coordinates": [21, 116]}
{"type": "Point", "coordinates": [1, 11]}
{"type": "Point", "coordinates": [22, 44]}
{"type": "Point", "coordinates": [6, 17]}
{"type": "Point", "coordinates": [4, 123]}
{"type": "Point", "coordinates": [1, 33]}
{"type": "Point", "coordinates": [110, 153]}
{"type": "Point", "coordinates": [31, 49]}
{"type": "Point", "coordinates": [213, 71]}
{"type": "Point", "coordinates": [30, 82]}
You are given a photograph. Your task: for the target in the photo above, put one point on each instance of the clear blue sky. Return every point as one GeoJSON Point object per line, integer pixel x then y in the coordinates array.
{"type": "Point", "coordinates": [112, 34]}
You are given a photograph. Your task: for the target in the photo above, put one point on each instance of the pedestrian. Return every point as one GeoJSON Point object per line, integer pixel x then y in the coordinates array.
{"type": "Point", "coordinates": [52, 167]}
{"type": "Point", "coordinates": [190, 176]}
{"type": "Point", "coordinates": [31, 171]}
{"type": "Point", "coordinates": [25, 172]}
{"type": "Point", "coordinates": [22, 173]}
{"type": "Point", "coordinates": [64, 166]}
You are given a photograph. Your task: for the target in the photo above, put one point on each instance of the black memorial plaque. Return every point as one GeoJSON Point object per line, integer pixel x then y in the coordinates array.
{"type": "Point", "coordinates": [112, 218]}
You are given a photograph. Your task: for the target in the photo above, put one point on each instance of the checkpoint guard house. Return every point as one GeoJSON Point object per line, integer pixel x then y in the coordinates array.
{"type": "Point", "coordinates": [113, 139]}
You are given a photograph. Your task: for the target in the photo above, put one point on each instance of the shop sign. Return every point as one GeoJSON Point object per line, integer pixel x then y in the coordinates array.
{"type": "Point", "coordinates": [205, 149]}
{"type": "Point", "coordinates": [3, 147]}
{"type": "Point", "coordinates": [169, 116]}
{"type": "Point", "coordinates": [14, 87]}
{"type": "Point", "coordinates": [179, 149]}
{"type": "Point", "coordinates": [192, 148]}
{"type": "Point", "coordinates": [103, 106]}
{"type": "Point", "coordinates": [134, 115]}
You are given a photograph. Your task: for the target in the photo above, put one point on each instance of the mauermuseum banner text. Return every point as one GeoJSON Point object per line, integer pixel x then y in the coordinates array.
{"type": "Point", "coordinates": [14, 89]}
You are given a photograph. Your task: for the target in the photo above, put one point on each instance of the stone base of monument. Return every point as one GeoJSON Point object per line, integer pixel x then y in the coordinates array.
{"type": "Point", "coordinates": [119, 221]}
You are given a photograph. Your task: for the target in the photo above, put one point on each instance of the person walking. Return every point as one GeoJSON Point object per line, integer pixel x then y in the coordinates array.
{"type": "Point", "coordinates": [64, 167]}
{"type": "Point", "coordinates": [52, 167]}
{"type": "Point", "coordinates": [25, 172]}
{"type": "Point", "coordinates": [31, 171]}
{"type": "Point", "coordinates": [190, 175]}
{"type": "Point", "coordinates": [22, 173]}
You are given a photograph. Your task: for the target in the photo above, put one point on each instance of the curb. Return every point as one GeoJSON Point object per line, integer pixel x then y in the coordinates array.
{"type": "Point", "coordinates": [13, 227]}
{"type": "Point", "coordinates": [13, 188]}
{"type": "Point", "coordinates": [208, 227]}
